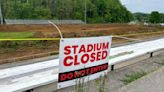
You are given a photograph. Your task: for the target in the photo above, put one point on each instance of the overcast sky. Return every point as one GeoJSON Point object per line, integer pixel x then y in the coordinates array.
{"type": "Point", "coordinates": [145, 6]}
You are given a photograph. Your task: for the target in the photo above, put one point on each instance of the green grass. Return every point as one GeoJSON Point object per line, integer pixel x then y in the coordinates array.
{"type": "Point", "coordinates": [10, 46]}
{"type": "Point", "coordinates": [132, 77]}
{"type": "Point", "coordinates": [16, 34]}
{"type": "Point", "coordinates": [161, 63]}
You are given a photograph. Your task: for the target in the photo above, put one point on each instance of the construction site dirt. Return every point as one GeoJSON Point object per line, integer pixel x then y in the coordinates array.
{"type": "Point", "coordinates": [13, 51]}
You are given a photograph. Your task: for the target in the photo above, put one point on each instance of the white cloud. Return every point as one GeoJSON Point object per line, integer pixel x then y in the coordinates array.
{"type": "Point", "coordinates": [144, 5]}
{"type": "Point", "coordinates": [124, 1]}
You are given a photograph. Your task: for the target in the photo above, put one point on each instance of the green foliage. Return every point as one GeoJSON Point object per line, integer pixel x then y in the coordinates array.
{"type": "Point", "coordinates": [16, 34]}
{"type": "Point", "coordinates": [10, 46]}
{"type": "Point", "coordinates": [79, 86]}
{"type": "Point", "coordinates": [102, 84]}
{"type": "Point", "coordinates": [162, 18]}
{"type": "Point", "coordinates": [41, 13]}
{"type": "Point", "coordinates": [132, 77]}
{"type": "Point", "coordinates": [142, 17]}
{"type": "Point", "coordinates": [154, 17]}
{"type": "Point", "coordinates": [98, 11]}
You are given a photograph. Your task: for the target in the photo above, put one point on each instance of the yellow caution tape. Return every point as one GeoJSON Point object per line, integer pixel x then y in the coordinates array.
{"type": "Point", "coordinates": [141, 34]}
{"type": "Point", "coordinates": [29, 39]}
{"type": "Point", "coordinates": [56, 39]}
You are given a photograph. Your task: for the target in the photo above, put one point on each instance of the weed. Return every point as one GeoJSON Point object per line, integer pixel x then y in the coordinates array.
{"type": "Point", "coordinates": [161, 63]}
{"type": "Point", "coordinates": [10, 46]}
{"type": "Point", "coordinates": [79, 87]}
{"type": "Point", "coordinates": [132, 77]}
{"type": "Point", "coordinates": [54, 53]}
{"type": "Point", "coordinates": [82, 86]}
{"type": "Point", "coordinates": [101, 84]}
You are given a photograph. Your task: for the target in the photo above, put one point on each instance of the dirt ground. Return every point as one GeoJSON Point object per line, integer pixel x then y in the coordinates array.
{"type": "Point", "coordinates": [69, 31]}
{"type": "Point", "coordinates": [74, 30]}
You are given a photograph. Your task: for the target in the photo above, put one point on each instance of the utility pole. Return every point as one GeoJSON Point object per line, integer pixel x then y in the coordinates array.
{"type": "Point", "coordinates": [27, 1]}
{"type": "Point", "coordinates": [1, 16]}
{"type": "Point", "coordinates": [85, 12]}
{"type": "Point", "coordinates": [162, 18]}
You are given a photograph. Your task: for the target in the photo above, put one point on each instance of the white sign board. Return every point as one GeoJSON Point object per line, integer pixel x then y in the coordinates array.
{"type": "Point", "coordinates": [83, 58]}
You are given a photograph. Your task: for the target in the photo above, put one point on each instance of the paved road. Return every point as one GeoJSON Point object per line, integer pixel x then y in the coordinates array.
{"type": "Point", "coordinates": [153, 82]}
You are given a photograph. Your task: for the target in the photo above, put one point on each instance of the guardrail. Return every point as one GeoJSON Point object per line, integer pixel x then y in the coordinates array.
{"type": "Point", "coordinates": [35, 76]}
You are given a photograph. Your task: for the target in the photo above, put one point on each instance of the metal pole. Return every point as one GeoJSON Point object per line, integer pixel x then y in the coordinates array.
{"type": "Point", "coordinates": [162, 18]}
{"type": "Point", "coordinates": [85, 15]}
{"type": "Point", "coordinates": [1, 16]}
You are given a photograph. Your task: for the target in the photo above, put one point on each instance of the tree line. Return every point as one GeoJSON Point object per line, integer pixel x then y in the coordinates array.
{"type": "Point", "coordinates": [153, 17]}
{"type": "Point", "coordinates": [97, 11]}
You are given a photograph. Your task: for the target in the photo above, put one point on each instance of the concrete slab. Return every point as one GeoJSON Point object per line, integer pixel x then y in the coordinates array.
{"type": "Point", "coordinates": [153, 82]}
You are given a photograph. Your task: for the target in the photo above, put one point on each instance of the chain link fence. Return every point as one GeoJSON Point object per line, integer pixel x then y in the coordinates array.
{"type": "Point", "coordinates": [25, 21]}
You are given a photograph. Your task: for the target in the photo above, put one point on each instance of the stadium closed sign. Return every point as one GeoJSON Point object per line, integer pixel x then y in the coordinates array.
{"type": "Point", "coordinates": [85, 58]}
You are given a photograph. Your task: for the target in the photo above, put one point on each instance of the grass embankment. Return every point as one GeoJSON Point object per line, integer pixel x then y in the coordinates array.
{"type": "Point", "coordinates": [11, 46]}
{"type": "Point", "coordinates": [7, 46]}
{"type": "Point", "coordinates": [16, 35]}
{"type": "Point", "coordinates": [12, 49]}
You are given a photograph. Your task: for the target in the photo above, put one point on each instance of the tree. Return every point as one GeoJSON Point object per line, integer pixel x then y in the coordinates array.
{"type": "Point", "coordinates": [154, 17]}
{"type": "Point", "coordinates": [141, 17]}
{"type": "Point", "coordinates": [162, 17]}
{"type": "Point", "coordinates": [98, 11]}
